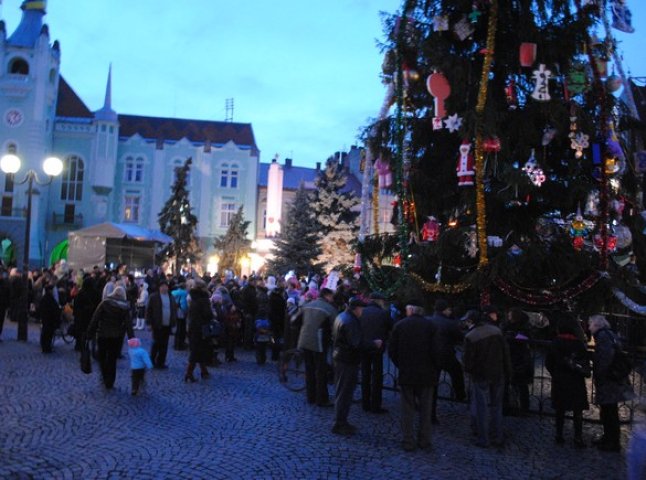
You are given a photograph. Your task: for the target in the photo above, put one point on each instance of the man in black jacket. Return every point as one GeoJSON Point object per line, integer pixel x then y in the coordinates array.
{"type": "Point", "coordinates": [161, 316]}
{"type": "Point", "coordinates": [348, 345]}
{"type": "Point", "coordinates": [375, 325]}
{"type": "Point", "coordinates": [411, 350]}
{"type": "Point", "coordinates": [449, 334]}
{"type": "Point", "coordinates": [249, 303]}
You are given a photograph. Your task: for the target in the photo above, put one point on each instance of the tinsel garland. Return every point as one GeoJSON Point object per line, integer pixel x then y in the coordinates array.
{"type": "Point", "coordinates": [439, 287]}
{"type": "Point", "coordinates": [481, 219]}
{"type": "Point", "coordinates": [546, 296]}
{"type": "Point", "coordinates": [377, 280]}
{"type": "Point", "coordinates": [628, 303]}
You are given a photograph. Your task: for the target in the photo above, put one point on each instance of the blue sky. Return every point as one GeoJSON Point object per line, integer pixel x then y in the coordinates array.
{"type": "Point", "coordinates": [304, 73]}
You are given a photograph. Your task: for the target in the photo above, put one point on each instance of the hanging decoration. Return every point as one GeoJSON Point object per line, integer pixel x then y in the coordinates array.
{"type": "Point", "coordinates": [549, 133]}
{"type": "Point", "coordinates": [628, 303]}
{"type": "Point", "coordinates": [492, 145]}
{"type": "Point", "coordinates": [471, 243]}
{"type": "Point", "coordinates": [438, 86]}
{"type": "Point", "coordinates": [576, 79]}
{"type": "Point", "coordinates": [592, 204]}
{"type": "Point", "coordinates": [463, 28]}
{"type": "Point", "coordinates": [475, 14]}
{"type": "Point", "coordinates": [614, 83]}
{"type": "Point", "coordinates": [541, 88]}
{"type": "Point", "coordinates": [510, 95]}
{"type": "Point", "coordinates": [439, 287]}
{"type": "Point", "coordinates": [466, 163]}
{"type": "Point", "coordinates": [534, 171]}
{"type": "Point", "coordinates": [527, 55]}
{"type": "Point", "coordinates": [621, 16]}
{"type": "Point", "coordinates": [547, 296]}
{"type": "Point", "coordinates": [453, 123]}
{"type": "Point", "coordinates": [431, 229]}
{"type": "Point", "coordinates": [578, 140]}
{"type": "Point", "coordinates": [440, 23]}
{"type": "Point", "coordinates": [578, 230]}
{"type": "Point", "coordinates": [610, 244]}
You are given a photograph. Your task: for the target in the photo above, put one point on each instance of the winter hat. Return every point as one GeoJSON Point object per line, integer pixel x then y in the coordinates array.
{"type": "Point", "coordinates": [134, 342]}
{"type": "Point", "coordinates": [271, 283]}
{"type": "Point", "coordinates": [119, 293]}
{"type": "Point", "coordinates": [291, 300]}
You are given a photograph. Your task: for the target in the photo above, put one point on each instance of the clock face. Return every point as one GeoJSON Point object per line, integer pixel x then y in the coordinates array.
{"type": "Point", "coordinates": [13, 117]}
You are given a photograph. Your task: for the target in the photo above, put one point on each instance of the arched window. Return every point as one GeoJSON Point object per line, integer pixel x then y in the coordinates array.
{"type": "Point", "coordinates": [72, 182]}
{"type": "Point", "coordinates": [134, 170]}
{"type": "Point", "coordinates": [229, 176]}
{"type": "Point", "coordinates": [19, 66]}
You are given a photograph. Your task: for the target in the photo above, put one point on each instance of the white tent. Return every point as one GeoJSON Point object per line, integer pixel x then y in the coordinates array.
{"type": "Point", "coordinates": [114, 243]}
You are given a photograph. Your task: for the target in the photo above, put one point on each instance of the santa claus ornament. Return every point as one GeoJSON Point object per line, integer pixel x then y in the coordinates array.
{"type": "Point", "coordinates": [430, 230]}
{"type": "Point", "coordinates": [466, 164]}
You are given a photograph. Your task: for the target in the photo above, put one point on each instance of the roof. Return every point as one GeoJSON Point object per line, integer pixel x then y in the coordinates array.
{"type": "Point", "coordinates": [196, 131]}
{"type": "Point", "coordinates": [293, 176]}
{"type": "Point", "coordinates": [69, 104]}
{"type": "Point", "coordinates": [123, 230]}
{"type": "Point", "coordinates": [30, 26]}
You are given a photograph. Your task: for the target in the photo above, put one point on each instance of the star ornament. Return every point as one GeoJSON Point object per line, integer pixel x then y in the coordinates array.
{"type": "Point", "coordinates": [453, 123]}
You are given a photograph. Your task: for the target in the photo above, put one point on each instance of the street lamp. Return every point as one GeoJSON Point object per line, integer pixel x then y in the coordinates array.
{"type": "Point", "coordinates": [53, 167]}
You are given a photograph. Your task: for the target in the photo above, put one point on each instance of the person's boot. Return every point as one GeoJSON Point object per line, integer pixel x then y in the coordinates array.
{"type": "Point", "coordinates": [188, 376]}
{"type": "Point", "coordinates": [204, 373]}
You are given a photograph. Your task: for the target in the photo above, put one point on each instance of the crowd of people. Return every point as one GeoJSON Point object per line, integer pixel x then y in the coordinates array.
{"type": "Point", "coordinates": [342, 331]}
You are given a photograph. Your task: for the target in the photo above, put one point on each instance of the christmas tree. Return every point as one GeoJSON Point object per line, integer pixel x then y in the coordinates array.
{"type": "Point", "coordinates": [298, 245]}
{"type": "Point", "coordinates": [335, 209]}
{"type": "Point", "coordinates": [511, 152]}
{"type": "Point", "coordinates": [178, 222]}
{"type": "Point", "coordinates": [234, 245]}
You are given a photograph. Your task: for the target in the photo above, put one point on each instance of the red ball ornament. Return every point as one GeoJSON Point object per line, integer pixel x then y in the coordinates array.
{"type": "Point", "coordinates": [438, 86]}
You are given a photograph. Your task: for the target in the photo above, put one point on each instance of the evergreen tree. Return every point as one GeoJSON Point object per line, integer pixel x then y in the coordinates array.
{"type": "Point", "coordinates": [178, 222]}
{"type": "Point", "coordinates": [298, 245]}
{"type": "Point", "coordinates": [334, 207]}
{"type": "Point", "coordinates": [234, 244]}
{"type": "Point", "coordinates": [523, 86]}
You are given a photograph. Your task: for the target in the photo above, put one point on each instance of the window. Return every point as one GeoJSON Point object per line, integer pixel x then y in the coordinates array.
{"type": "Point", "coordinates": [72, 182]}
{"type": "Point", "coordinates": [132, 203]}
{"type": "Point", "coordinates": [68, 216]}
{"type": "Point", "coordinates": [229, 177]}
{"type": "Point", "coordinates": [134, 169]}
{"type": "Point", "coordinates": [264, 219]}
{"type": "Point", "coordinates": [19, 66]}
{"type": "Point", "coordinates": [227, 211]}
{"type": "Point", "coordinates": [7, 205]}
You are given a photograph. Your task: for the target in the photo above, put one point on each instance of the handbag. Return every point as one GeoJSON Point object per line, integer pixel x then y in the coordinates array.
{"type": "Point", "coordinates": [86, 358]}
{"type": "Point", "coordinates": [212, 329]}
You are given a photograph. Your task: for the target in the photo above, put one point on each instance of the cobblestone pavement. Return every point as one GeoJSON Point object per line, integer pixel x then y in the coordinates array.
{"type": "Point", "coordinates": [57, 423]}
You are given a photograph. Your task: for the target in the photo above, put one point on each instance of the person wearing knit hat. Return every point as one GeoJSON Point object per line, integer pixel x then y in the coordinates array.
{"type": "Point", "coordinates": [139, 362]}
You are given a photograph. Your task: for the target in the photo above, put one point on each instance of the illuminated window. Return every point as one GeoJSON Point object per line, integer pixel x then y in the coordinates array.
{"type": "Point", "coordinates": [132, 204]}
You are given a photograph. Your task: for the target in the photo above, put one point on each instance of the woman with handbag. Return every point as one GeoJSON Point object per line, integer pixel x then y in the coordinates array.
{"type": "Point", "coordinates": [199, 319]}
{"type": "Point", "coordinates": [568, 363]}
{"type": "Point", "coordinates": [610, 390]}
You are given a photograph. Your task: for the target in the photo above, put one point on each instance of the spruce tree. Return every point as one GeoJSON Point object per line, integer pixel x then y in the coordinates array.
{"type": "Point", "coordinates": [178, 222]}
{"type": "Point", "coordinates": [334, 207]}
{"type": "Point", "coordinates": [527, 86]}
{"type": "Point", "coordinates": [234, 244]}
{"type": "Point", "coordinates": [298, 245]}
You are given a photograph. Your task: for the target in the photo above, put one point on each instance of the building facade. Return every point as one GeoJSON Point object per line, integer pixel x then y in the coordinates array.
{"type": "Point", "coordinates": [117, 168]}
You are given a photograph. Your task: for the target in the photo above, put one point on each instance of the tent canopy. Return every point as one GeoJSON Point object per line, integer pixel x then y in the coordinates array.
{"type": "Point", "coordinates": [123, 231]}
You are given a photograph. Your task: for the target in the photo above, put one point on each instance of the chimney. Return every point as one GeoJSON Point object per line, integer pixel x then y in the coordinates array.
{"type": "Point", "coordinates": [288, 163]}
{"type": "Point", "coordinates": [318, 166]}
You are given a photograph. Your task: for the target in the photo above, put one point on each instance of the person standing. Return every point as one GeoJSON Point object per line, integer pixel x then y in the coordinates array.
{"type": "Point", "coordinates": [161, 317]}
{"type": "Point", "coordinates": [180, 295]}
{"type": "Point", "coordinates": [139, 362]}
{"type": "Point", "coordinates": [411, 350]}
{"type": "Point", "coordinates": [448, 335]}
{"type": "Point", "coordinates": [486, 360]}
{"type": "Point", "coordinates": [314, 339]}
{"type": "Point", "coordinates": [348, 345]}
{"type": "Point", "coordinates": [609, 391]}
{"type": "Point", "coordinates": [83, 308]}
{"type": "Point", "coordinates": [50, 318]}
{"type": "Point", "coordinates": [110, 322]}
{"type": "Point", "coordinates": [5, 292]}
{"type": "Point", "coordinates": [516, 332]}
{"type": "Point", "coordinates": [199, 317]}
{"type": "Point", "coordinates": [277, 311]}
{"type": "Point", "coordinates": [249, 303]}
{"type": "Point", "coordinates": [375, 324]}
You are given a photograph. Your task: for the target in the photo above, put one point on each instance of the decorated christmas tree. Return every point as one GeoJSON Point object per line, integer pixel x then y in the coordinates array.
{"type": "Point", "coordinates": [334, 207]}
{"type": "Point", "coordinates": [512, 152]}
{"type": "Point", "coordinates": [178, 222]}
{"type": "Point", "coordinates": [234, 245]}
{"type": "Point", "coordinates": [298, 244]}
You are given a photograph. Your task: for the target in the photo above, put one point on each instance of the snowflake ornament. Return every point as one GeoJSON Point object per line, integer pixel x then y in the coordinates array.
{"type": "Point", "coordinates": [534, 171]}
{"type": "Point", "coordinates": [579, 141]}
{"type": "Point", "coordinates": [453, 123]}
{"type": "Point", "coordinates": [541, 88]}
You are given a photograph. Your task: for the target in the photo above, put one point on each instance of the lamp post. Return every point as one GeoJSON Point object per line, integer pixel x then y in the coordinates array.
{"type": "Point", "coordinates": [52, 166]}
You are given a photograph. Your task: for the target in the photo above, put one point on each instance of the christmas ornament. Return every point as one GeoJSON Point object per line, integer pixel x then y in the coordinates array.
{"type": "Point", "coordinates": [510, 94]}
{"type": "Point", "coordinates": [611, 243]}
{"type": "Point", "coordinates": [453, 123]}
{"type": "Point", "coordinates": [491, 145]}
{"type": "Point", "coordinates": [611, 166]}
{"type": "Point", "coordinates": [463, 29]}
{"type": "Point", "coordinates": [440, 23]}
{"type": "Point", "coordinates": [579, 142]}
{"type": "Point", "coordinates": [466, 165]}
{"type": "Point", "coordinates": [475, 14]}
{"type": "Point", "coordinates": [548, 135]}
{"type": "Point", "coordinates": [430, 229]}
{"type": "Point", "coordinates": [576, 79]}
{"type": "Point", "coordinates": [534, 171]}
{"type": "Point", "coordinates": [623, 236]}
{"type": "Point", "coordinates": [621, 16]}
{"type": "Point", "coordinates": [514, 251]}
{"type": "Point", "coordinates": [385, 176]}
{"type": "Point", "coordinates": [357, 263]}
{"type": "Point", "coordinates": [541, 89]}
{"type": "Point", "coordinates": [438, 86]}
{"type": "Point", "coordinates": [438, 124]}
{"type": "Point", "coordinates": [613, 83]}
{"type": "Point", "coordinates": [527, 54]}
{"type": "Point", "coordinates": [578, 230]}
{"type": "Point", "coordinates": [592, 204]}
{"type": "Point", "coordinates": [471, 243]}
{"type": "Point", "coordinates": [613, 147]}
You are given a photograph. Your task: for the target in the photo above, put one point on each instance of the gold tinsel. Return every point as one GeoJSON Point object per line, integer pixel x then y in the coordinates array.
{"type": "Point", "coordinates": [439, 287]}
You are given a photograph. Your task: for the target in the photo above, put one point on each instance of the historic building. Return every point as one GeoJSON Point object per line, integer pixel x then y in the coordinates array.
{"type": "Point", "coordinates": [117, 168]}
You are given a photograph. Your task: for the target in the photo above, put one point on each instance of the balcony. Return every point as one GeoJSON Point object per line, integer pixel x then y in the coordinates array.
{"type": "Point", "coordinates": [69, 221]}
{"type": "Point", "coordinates": [13, 212]}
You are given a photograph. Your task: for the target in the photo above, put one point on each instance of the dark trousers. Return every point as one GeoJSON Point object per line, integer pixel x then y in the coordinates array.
{"type": "Point", "coordinates": [46, 338]}
{"type": "Point", "coordinates": [372, 378]}
{"type": "Point", "coordinates": [316, 377]}
{"type": "Point", "coordinates": [248, 328]}
{"type": "Point", "coordinates": [261, 352]}
{"type": "Point", "coordinates": [451, 366]}
{"type": "Point", "coordinates": [159, 348]}
{"type": "Point", "coordinates": [180, 334]}
{"type": "Point", "coordinates": [412, 398]}
{"type": "Point", "coordinates": [138, 379]}
{"type": "Point", "coordinates": [3, 312]}
{"type": "Point", "coordinates": [346, 376]}
{"type": "Point", "coordinates": [107, 353]}
{"type": "Point", "coordinates": [609, 414]}
{"type": "Point", "coordinates": [577, 417]}
{"type": "Point", "coordinates": [229, 341]}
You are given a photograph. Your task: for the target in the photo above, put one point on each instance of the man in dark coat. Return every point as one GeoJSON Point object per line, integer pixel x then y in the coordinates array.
{"type": "Point", "coordinates": [161, 316]}
{"type": "Point", "coordinates": [50, 317]}
{"type": "Point", "coordinates": [249, 304]}
{"type": "Point", "coordinates": [348, 346]}
{"type": "Point", "coordinates": [375, 325]}
{"type": "Point", "coordinates": [411, 350]}
{"type": "Point", "coordinates": [84, 305]}
{"type": "Point", "coordinates": [277, 311]}
{"type": "Point", "coordinates": [448, 335]}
